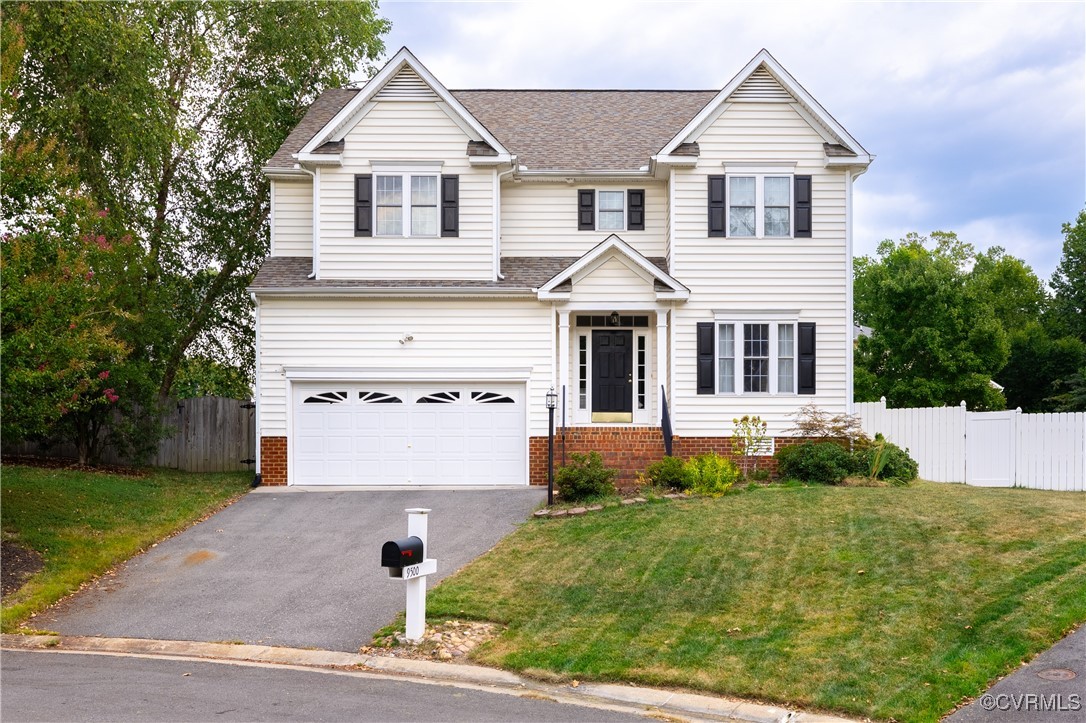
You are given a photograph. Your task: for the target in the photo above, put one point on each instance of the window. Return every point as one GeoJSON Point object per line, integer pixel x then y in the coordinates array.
{"type": "Point", "coordinates": [419, 216]}
{"type": "Point", "coordinates": [760, 206]}
{"type": "Point", "coordinates": [582, 371]}
{"type": "Point", "coordinates": [756, 357]}
{"type": "Point", "coordinates": [612, 210]}
{"type": "Point", "coordinates": [641, 368]}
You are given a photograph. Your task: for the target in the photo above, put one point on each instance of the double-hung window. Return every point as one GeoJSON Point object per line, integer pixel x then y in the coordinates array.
{"type": "Point", "coordinates": [760, 205]}
{"type": "Point", "coordinates": [756, 357]}
{"type": "Point", "coordinates": [612, 211]}
{"type": "Point", "coordinates": [407, 204]}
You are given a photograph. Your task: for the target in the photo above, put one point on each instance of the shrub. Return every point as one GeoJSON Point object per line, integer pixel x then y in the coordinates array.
{"type": "Point", "coordinates": [812, 422]}
{"type": "Point", "coordinates": [816, 462]}
{"type": "Point", "coordinates": [711, 474]}
{"type": "Point", "coordinates": [886, 461]}
{"type": "Point", "coordinates": [584, 477]}
{"type": "Point", "coordinates": [751, 437]}
{"type": "Point", "coordinates": [670, 472]}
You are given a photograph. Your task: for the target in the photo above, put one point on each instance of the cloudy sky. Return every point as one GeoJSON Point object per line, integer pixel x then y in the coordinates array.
{"type": "Point", "coordinates": [976, 112]}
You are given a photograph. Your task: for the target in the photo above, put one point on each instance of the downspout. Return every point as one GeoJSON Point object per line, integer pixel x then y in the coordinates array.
{"type": "Point", "coordinates": [316, 219]}
{"type": "Point", "coordinates": [498, 276]}
{"type": "Point", "coordinates": [850, 322]}
{"type": "Point", "coordinates": [256, 385]}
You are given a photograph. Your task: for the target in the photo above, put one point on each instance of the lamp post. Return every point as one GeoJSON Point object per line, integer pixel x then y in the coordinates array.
{"type": "Point", "coordinates": [552, 402]}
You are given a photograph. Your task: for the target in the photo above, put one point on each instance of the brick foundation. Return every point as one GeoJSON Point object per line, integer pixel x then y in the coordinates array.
{"type": "Point", "coordinates": [273, 461]}
{"type": "Point", "coordinates": [632, 449]}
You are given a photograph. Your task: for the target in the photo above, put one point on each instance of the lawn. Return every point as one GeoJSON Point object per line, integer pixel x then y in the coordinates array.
{"type": "Point", "coordinates": [84, 523]}
{"type": "Point", "coordinates": [885, 602]}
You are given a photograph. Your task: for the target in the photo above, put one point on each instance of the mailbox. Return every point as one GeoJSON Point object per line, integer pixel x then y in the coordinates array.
{"type": "Point", "coordinates": [402, 553]}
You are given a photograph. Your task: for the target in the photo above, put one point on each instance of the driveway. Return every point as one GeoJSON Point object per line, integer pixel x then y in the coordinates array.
{"type": "Point", "coordinates": [288, 567]}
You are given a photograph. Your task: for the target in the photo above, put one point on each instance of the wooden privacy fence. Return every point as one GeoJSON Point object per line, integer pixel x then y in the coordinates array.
{"type": "Point", "coordinates": [988, 449]}
{"type": "Point", "coordinates": [211, 434]}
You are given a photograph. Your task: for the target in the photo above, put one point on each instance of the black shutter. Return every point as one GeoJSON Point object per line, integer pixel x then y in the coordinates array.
{"type": "Point", "coordinates": [586, 210]}
{"type": "Point", "coordinates": [450, 205]}
{"type": "Point", "coordinates": [635, 209]}
{"type": "Point", "coordinates": [706, 383]}
{"type": "Point", "coordinates": [717, 209]}
{"type": "Point", "coordinates": [363, 205]}
{"type": "Point", "coordinates": [806, 357]}
{"type": "Point", "coordinates": [803, 209]}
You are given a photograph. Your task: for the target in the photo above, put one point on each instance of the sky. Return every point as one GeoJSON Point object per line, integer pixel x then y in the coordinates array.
{"type": "Point", "coordinates": [975, 111]}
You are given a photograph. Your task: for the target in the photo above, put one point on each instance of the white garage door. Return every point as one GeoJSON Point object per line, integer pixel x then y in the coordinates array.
{"type": "Point", "coordinates": [418, 434]}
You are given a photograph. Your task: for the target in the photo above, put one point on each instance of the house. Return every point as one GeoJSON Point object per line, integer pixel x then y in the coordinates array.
{"type": "Point", "coordinates": [441, 259]}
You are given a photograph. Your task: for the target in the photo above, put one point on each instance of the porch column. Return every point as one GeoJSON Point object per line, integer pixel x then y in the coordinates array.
{"type": "Point", "coordinates": [563, 362]}
{"type": "Point", "coordinates": [662, 372]}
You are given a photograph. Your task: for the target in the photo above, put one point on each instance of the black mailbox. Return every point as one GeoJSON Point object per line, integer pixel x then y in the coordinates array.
{"type": "Point", "coordinates": [401, 553]}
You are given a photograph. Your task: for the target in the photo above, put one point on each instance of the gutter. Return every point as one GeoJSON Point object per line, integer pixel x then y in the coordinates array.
{"type": "Point", "coordinates": [393, 292]}
{"type": "Point", "coordinates": [316, 219]}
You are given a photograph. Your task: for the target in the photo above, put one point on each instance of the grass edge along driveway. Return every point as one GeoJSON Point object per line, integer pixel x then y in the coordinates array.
{"type": "Point", "coordinates": [85, 523]}
{"type": "Point", "coordinates": [883, 602]}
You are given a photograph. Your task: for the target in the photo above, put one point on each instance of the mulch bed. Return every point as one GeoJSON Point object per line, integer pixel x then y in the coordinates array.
{"type": "Point", "coordinates": [17, 563]}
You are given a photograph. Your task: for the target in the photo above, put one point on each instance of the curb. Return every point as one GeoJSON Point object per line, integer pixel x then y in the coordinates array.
{"type": "Point", "coordinates": [650, 699]}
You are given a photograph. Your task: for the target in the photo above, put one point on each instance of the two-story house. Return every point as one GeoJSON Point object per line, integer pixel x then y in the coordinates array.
{"type": "Point", "coordinates": [440, 260]}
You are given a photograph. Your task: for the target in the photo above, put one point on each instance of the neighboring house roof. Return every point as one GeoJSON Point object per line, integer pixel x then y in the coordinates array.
{"type": "Point", "coordinates": [523, 274]}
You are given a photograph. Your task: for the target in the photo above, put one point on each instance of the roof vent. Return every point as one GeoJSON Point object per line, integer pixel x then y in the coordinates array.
{"type": "Point", "coordinates": [406, 84]}
{"type": "Point", "coordinates": [761, 87]}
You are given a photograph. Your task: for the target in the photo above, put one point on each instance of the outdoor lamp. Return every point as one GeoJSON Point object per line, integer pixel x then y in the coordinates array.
{"type": "Point", "coordinates": [552, 402]}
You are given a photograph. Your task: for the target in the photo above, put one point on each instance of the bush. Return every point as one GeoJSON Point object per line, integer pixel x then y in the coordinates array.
{"type": "Point", "coordinates": [711, 474]}
{"type": "Point", "coordinates": [670, 472]}
{"type": "Point", "coordinates": [816, 462]}
{"type": "Point", "coordinates": [886, 461]}
{"type": "Point", "coordinates": [585, 477]}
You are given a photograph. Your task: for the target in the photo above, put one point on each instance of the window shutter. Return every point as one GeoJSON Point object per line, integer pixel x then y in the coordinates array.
{"type": "Point", "coordinates": [706, 383]}
{"type": "Point", "coordinates": [450, 205]}
{"type": "Point", "coordinates": [806, 357]}
{"type": "Point", "coordinates": [586, 210]}
{"type": "Point", "coordinates": [363, 205]}
{"type": "Point", "coordinates": [635, 209]}
{"type": "Point", "coordinates": [803, 209]}
{"type": "Point", "coordinates": [717, 209]}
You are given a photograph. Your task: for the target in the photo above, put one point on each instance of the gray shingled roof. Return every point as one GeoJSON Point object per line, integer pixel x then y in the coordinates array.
{"type": "Point", "coordinates": [586, 130]}
{"type": "Point", "coordinates": [522, 273]}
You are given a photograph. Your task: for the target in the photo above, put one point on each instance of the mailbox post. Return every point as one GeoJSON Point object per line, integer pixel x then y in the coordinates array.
{"type": "Point", "coordinates": [406, 559]}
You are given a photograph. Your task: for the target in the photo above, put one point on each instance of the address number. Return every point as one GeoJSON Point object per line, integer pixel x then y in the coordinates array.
{"type": "Point", "coordinates": [411, 571]}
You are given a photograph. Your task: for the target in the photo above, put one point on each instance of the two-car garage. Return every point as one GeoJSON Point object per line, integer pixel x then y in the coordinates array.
{"type": "Point", "coordinates": [408, 434]}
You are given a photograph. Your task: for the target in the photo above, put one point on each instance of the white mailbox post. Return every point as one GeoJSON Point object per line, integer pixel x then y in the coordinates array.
{"type": "Point", "coordinates": [396, 554]}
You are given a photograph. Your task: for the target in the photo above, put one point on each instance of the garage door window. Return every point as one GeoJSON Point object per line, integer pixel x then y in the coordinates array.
{"type": "Point", "coordinates": [378, 398]}
{"type": "Point", "coordinates": [439, 398]}
{"type": "Point", "coordinates": [327, 398]}
{"type": "Point", "coordinates": [491, 398]}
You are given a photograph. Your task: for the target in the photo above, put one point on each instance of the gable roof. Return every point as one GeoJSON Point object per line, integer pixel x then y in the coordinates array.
{"type": "Point", "coordinates": [666, 285]}
{"type": "Point", "coordinates": [571, 130]}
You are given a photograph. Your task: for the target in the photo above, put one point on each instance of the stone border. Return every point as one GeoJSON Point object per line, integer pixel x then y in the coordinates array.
{"type": "Point", "coordinates": [550, 513]}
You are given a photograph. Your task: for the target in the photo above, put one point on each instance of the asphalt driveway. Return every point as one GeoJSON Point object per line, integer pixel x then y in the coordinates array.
{"type": "Point", "coordinates": [286, 567]}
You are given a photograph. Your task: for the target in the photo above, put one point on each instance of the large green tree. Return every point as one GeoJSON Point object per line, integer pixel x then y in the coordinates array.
{"type": "Point", "coordinates": [168, 110]}
{"type": "Point", "coordinates": [936, 340]}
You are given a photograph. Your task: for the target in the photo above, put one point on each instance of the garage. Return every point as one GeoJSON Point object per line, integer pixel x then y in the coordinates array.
{"type": "Point", "coordinates": [409, 434]}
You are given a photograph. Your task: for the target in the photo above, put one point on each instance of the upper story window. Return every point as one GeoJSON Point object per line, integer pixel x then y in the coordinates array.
{"type": "Point", "coordinates": [607, 210]}
{"type": "Point", "coordinates": [407, 203]}
{"type": "Point", "coordinates": [760, 205]}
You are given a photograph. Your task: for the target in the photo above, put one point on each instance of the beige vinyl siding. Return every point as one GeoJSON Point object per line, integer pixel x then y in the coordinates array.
{"type": "Point", "coordinates": [292, 222]}
{"type": "Point", "coordinates": [540, 219]}
{"type": "Point", "coordinates": [802, 279]}
{"type": "Point", "coordinates": [449, 334]}
{"type": "Point", "coordinates": [614, 283]}
{"type": "Point", "coordinates": [406, 131]}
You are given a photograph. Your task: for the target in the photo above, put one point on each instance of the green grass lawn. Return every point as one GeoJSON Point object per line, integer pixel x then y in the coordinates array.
{"type": "Point", "coordinates": [84, 523]}
{"type": "Point", "coordinates": [884, 602]}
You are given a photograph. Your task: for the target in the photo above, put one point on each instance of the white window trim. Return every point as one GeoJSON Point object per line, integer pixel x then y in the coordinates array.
{"type": "Point", "coordinates": [774, 342]}
{"type": "Point", "coordinates": [406, 173]}
{"type": "Point", "coordinates": [759, 175]}
{"type": "Point", "coordinates": [625, 211]}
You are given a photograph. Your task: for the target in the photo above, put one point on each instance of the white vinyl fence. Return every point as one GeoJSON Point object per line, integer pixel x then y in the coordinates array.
{"type": "Point", "coordinates": [989, 449]}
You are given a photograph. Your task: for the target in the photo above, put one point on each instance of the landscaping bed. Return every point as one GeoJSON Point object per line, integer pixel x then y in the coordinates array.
{"type": "Point", "coordinates": [77, 524]}
{"type": "Point", "coordinates": [894, 602]}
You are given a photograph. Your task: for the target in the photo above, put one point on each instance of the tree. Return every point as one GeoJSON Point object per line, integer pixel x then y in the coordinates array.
{"type": "Point", "coordinates": [168, 110]}
{"type": "Point", "coordinates": [935, 340]}
{"type": "Point", "coordinates": [1069, 280]}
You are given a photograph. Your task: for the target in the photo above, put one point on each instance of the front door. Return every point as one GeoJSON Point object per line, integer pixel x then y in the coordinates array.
{"type": "Point", "coordinates": [612, 376]}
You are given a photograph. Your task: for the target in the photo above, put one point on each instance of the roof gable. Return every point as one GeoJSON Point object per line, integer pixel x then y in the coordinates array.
{"type": "Point", "coordinates": [615, 247]}
{"type": "Point", "coordinates": [763, 79]}
{"type": "Point", "coordinates": [403, 78]}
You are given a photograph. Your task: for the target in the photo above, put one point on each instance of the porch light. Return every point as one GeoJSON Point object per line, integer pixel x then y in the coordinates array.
{"type": "Point", "coordinates": [614, 318]}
